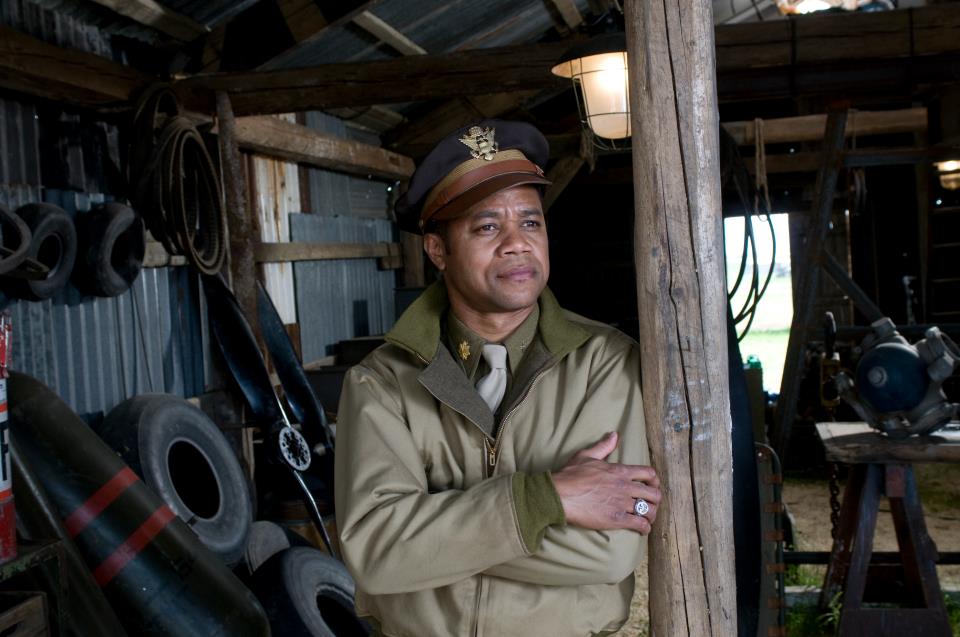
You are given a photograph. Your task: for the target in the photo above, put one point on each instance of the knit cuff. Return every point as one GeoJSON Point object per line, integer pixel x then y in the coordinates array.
{"type": "Point", "coordinates": [537, 505]}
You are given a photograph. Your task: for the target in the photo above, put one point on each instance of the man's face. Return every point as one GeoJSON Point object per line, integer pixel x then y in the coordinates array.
{"type": "Point", "coordinates": [495, 258]}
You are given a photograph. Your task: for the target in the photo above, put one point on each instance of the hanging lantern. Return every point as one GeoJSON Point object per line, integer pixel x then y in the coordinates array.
{"type": "Point", "coordinates": [949, 174]}
{"type": "Point", "coordinates": [598, 69]}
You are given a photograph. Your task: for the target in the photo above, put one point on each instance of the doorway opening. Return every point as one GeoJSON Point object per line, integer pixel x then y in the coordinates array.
{"type": "Point", "coordinates": [758, 265]}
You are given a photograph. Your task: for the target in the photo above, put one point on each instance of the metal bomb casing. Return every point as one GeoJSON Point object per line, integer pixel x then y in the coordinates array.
{"type": "Point", "coordinates": [156, 574]}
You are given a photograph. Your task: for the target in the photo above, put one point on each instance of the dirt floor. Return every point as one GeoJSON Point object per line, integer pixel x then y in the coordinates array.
{"type": "Point", "coordinates": [939, 484]}
{"type": "Point", "coordinates": [808, 500]}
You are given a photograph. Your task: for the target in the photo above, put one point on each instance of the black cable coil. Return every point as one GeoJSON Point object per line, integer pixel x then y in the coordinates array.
{"type": "Point", "coordinates": [175, 183]}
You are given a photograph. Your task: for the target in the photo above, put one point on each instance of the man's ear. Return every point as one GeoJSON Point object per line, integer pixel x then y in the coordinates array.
{"type": "Point", "coordinates": [435, 249]}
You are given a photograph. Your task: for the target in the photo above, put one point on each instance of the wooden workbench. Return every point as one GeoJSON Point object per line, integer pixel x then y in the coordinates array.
{"type": "Point", "coordinates": [858, 443]}
{"type": "Point", "coordinates": [883, 466]}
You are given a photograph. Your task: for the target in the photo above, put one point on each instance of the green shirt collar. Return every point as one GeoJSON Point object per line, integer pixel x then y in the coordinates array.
{"type": "Point", "coordinates": [467, 346]}
{"type": "Point", "coordinates": [418, 330]}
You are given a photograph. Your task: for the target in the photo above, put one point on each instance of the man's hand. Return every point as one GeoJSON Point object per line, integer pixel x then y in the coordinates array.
{"type": "Point", "coordinates": [600, 495]}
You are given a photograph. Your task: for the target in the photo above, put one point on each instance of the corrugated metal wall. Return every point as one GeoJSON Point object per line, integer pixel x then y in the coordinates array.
{"type": "Point", "coordinates": [93, 352]}
{"type": "Point", "coordinates": [344, 298]}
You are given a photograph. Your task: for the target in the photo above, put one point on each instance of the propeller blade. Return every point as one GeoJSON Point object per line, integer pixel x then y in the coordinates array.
{"type": "Point", "coordinates": [296, 386]}
{"type": "Point", "coordinates": [239, 348]}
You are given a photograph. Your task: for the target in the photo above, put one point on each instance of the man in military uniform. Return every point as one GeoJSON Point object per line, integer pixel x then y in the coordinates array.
{"type": "Point", "coordinates": [491, 472]}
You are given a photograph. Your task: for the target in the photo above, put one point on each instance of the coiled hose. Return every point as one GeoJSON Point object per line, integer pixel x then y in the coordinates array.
{"type": "Point", "coordinates": [175, 183]}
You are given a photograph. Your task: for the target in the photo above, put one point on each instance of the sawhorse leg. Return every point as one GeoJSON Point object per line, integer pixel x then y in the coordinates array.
{"type": "Point", "coordinates": [850, 560]}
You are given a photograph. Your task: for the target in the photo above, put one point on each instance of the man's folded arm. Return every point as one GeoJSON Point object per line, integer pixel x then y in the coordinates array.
{"type": "Point", "coordinates": [395, 535]}
{"type": "Point", "coordinates": [568, 555]}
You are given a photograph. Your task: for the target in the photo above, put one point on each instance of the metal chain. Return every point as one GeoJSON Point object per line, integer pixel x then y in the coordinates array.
{"type": "Point", "coordinates": [834, 499]}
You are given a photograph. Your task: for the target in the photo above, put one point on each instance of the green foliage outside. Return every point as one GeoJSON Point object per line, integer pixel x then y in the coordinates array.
{"type": "Point", "coordinates": [770, 331]}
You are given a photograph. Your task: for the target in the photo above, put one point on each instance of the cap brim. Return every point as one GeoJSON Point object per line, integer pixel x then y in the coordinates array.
{"type": "Point", "coordinates": [484, 189]}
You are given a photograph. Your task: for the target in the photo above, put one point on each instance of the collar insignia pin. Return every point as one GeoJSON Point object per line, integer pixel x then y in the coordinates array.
{"type": "Point", "coordinates": [481, 143]}
{"type": "Point", "coordinates": [464, 350]}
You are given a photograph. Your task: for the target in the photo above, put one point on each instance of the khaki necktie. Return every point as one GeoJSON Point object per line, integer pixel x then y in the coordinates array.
{"type": "Point", "coordinates": [492, 386]}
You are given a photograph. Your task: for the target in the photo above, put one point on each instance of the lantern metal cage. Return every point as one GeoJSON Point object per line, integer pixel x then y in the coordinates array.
{"type": "Point", "coordinates": [598, 70]}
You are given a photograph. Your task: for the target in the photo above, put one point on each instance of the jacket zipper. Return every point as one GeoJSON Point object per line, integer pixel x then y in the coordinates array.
{"type": "Point", "coordinates": [491, 460]}
{"type": "Point", "coordinates": [476, 615]}
{"type": "Point", "coordinates": [493, 449]}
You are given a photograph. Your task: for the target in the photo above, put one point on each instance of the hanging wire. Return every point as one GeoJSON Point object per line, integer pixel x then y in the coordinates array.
{"type": "Point", "coordinates": [744, 317]}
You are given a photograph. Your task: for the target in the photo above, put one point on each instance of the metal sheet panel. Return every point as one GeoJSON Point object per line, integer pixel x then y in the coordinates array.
{"type": "Point", "coordinates": [58, 27]}
{"type": "Point", "coordinates": [368, 198]}
{"type": "Point", "coordinates": [329, 190]}
{"type": "Point", "coordinates": [343, 298]}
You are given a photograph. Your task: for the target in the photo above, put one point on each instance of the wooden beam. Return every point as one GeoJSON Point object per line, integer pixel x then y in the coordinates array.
{"type": "Point", "coordinates": [807, 128]}
{"type": "Point", "coordinates": [406, 79]}
{"type": "Point", "coordinates": [387, 34]}
{"type": "Point", "coordinates": [79, 79]}
{"type": "Point", "coordinates": [819, 54]}
{"type": "Point", "coordinates": [241, 265]}
{"type": "Point", "coordinates": [308, 251]}
{"type": "Point", "coordinates": [423, 132]}
{"type": "Point", "coordinates": [569, 12]}
{"type": "Point", "coordinates": [682, 304]}
{"type": "Point", "coordinates": [826, 38]}
{"type": "Point", "coordinates": [156, 16]}
{"type": "Point", "coordinates": [75, 78]}
{"type": "Point", "coordinates": [860, 157]}
{"type": "Point", "coordinates": [293, 142]}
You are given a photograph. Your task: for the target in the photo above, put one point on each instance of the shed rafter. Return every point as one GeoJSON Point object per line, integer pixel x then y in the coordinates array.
{"type": "Point", "coordinates": [156, 16]}
{"type": "Point", "coordinates": [387, 34]}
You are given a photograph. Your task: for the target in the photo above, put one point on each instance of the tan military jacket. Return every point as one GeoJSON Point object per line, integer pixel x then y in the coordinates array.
{"type": "Point", "coordinates": [451, 532]}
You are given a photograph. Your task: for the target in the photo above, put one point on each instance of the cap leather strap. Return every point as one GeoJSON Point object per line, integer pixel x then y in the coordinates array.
{"type": "Point", "coordinates": [445, 192]}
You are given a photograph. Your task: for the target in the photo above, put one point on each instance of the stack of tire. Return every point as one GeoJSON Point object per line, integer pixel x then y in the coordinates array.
{"type": "Point", "coordinates": [185, 458]}
{"type": "Point", "coordinates": [102, 251]}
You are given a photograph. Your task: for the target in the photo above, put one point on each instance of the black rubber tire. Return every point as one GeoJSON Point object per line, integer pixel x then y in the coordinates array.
{"type": "Point", "coordinates": [182, 455]}
{"type": "Point", "coordinates": [307, 593]}
{"type": "Point", "coordinates": [112, 245]}
{"type": "Point", "coordinates": [266, 539]}
{"type": "Point", "coordinates": [54, 244]}
{"type": "Point", "coordinates": [11, 224]}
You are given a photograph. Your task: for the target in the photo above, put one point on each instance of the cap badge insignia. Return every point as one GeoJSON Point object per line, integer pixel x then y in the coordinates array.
{"type": "Point", "coordinates": [464, 350]}
{"type": "Point", "coordinates": [480, 141]}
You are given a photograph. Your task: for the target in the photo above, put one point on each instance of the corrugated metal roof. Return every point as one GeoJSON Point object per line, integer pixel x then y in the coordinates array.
{"type": "Point", "coordinates": [71, 24]}
{"type": "Point", "coordinates": [436, 25]}
{"type": "Point", "coordinates": [209, 12]}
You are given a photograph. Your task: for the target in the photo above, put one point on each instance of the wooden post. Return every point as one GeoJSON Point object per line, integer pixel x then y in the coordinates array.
{"type": "Point", "coordinates": [242, 263]}
{"type": "Point", "coordinates": [807, 286]}
{"type": "Point", "coordinates": [682, 304]}
{"type": "Point", "coordinates": [241, 269]}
